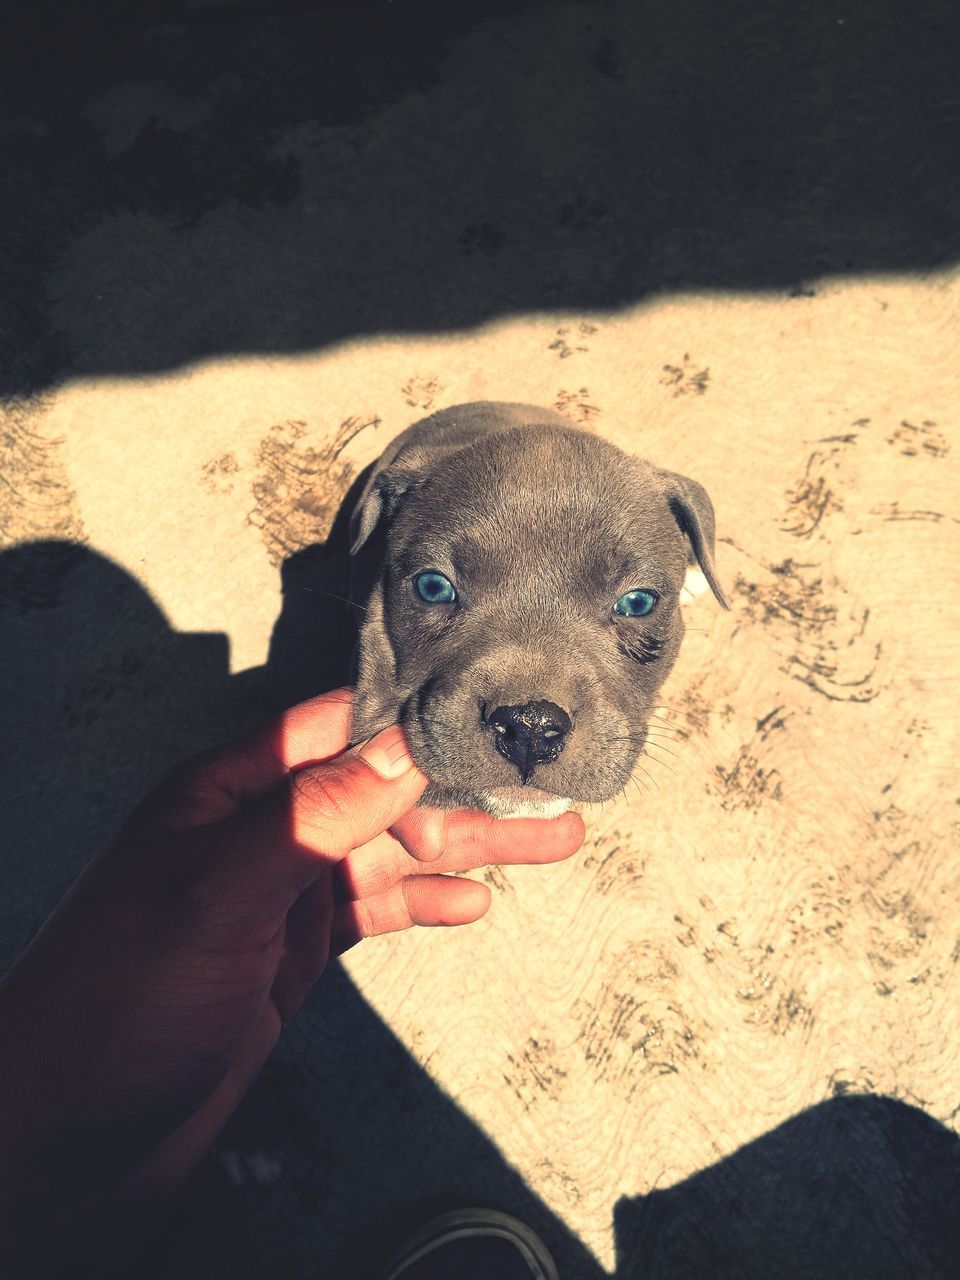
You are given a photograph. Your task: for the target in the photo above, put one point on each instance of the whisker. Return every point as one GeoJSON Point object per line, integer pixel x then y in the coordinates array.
{"type": "Point", "coordinates": [333, 596]}
{"type": "Point", "coordinates": [638, 739]}
{"type": "Point", "coordinates": [653, 781]}
{"type": "Point", "coordinates": [669, 726]}
{"type": "Point", "coordinates": [674, 711]}
{"type": "Point", "coordinates": [664, 764]}
{"type": "Point", "coordinates": [638, 786]}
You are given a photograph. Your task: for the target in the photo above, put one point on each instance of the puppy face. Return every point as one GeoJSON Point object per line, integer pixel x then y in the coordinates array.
{"type": "Point", "coordinates": [524, 613]}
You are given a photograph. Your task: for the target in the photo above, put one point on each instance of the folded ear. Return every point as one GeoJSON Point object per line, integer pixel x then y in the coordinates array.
{"type": "Point", "coordinates": [379, 501]}
{"type": "Point", "coordinates": [693, 512]}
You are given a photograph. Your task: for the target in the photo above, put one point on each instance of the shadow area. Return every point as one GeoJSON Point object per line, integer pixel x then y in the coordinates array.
{"type": "Point", "coordinates": [292, 176]}
{"type": "Point", "coordinates": [858, 1187]}
{"type": "Point", "coordinates": [344, 1143]}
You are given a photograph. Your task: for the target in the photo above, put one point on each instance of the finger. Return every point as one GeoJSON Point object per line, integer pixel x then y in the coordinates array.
{"type": "Point", "coordinates": [288, 840]}
{"type": "Point", "coordinates": [373, 868]}
{"type": "Point", "coordinates": [216, 784]}
{"type": "Point", "coordinates": [424, 900]}
{"type": "Point", "coordinates": [457, 841]}
{"type": "Point", "coordinates": [306, 947]}
{"type": "Point", "coordinates": [464, 838]}
{"type": "Point", "coordinates": [251, 867]}
{"type": "Point", "coordinates": [341, 805]}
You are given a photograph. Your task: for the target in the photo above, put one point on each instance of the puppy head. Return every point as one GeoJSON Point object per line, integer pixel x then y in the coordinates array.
{"type": "Point", "coordinates": [523, 612]}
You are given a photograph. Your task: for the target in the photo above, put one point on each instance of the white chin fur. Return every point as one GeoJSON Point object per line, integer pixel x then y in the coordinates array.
{"type": "Point", "coordinates": [694, 585]}
{"type": "Point", "coordinates": [510, 806]}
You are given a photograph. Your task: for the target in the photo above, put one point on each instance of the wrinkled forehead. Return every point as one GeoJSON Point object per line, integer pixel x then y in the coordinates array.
{"type": "Point", "coordinates": [570, 508]}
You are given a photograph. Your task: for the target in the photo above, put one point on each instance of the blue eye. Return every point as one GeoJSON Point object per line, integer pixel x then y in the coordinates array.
{"type": "Point", "coordinates": [636, 604]}
{"type": "Point", "coordinates": [434, 588]}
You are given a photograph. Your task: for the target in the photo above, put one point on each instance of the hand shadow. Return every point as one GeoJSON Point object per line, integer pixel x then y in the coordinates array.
{"type": "Point", "coordinates": [344, 1142]}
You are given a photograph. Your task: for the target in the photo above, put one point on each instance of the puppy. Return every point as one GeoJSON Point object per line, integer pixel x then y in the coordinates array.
{"type": "Point", "coordinates": [518, 582]}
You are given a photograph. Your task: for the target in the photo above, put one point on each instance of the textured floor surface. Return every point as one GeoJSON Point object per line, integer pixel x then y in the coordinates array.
{"type": "Point", "coordinates": [723, 1039]}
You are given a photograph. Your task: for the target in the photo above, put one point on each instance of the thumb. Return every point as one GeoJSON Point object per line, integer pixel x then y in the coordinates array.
{"type": "Point", "coordinates": [324, 811]}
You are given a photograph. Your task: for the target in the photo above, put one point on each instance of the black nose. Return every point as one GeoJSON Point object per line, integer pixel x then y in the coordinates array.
{"type": "Point", "coordinates": [529, 734]}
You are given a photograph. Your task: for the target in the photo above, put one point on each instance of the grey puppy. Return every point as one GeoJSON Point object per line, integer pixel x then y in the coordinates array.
{"type": "Point", "coordinates": [519, 585]}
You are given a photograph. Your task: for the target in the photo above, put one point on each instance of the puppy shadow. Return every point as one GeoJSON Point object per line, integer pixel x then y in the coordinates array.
{"type": "Point", "coordinates": [311, 646]}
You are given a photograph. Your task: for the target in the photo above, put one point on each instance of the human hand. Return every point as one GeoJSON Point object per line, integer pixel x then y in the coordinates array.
{"type": "Point", "coordinates": [143, 1010]}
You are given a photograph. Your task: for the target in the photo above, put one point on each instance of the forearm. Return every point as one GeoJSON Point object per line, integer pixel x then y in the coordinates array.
{"type": "Point", "coordinates": [60, 1211]}
{"type": "Point", "coordinates": [34, 1208]}
{"type": "Point", "coordinates": [65, 1188]}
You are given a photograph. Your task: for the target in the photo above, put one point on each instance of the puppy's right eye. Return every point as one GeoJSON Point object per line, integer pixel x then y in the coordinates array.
{"type": "Point", "coordinates": [434, 587]}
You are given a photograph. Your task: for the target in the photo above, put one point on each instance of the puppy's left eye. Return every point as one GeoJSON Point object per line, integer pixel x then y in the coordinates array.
{"type": "Point", "coordinates": [636, 604]}
{"type": "Point", "coordinates": [434, 587]}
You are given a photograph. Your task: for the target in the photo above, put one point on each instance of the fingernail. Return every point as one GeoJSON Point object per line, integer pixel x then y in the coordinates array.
{"type": "Point", "coordinates": [388, 753]}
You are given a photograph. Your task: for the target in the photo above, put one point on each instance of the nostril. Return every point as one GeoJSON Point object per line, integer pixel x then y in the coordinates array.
{"type": "Point", "coordinates": [530, 733]}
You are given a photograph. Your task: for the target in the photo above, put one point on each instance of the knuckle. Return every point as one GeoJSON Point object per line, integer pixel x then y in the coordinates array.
{"type": "Point", "coordinates": [323, 794]}
{"type": "Point", "coordinates": [363, 920]}
{"type": "Point", "coordinates": [186, 778]}
{"type": "Point", "coordinates": [411, 892]}
{"type": "Point", "coordinates": [186, 792]}
{"type": "Point", "coordinates": [424, 834]}
{"type": "Point", "coordinates": [436, 834]}
{"type": "Point", "coordinates": [325, 805]}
